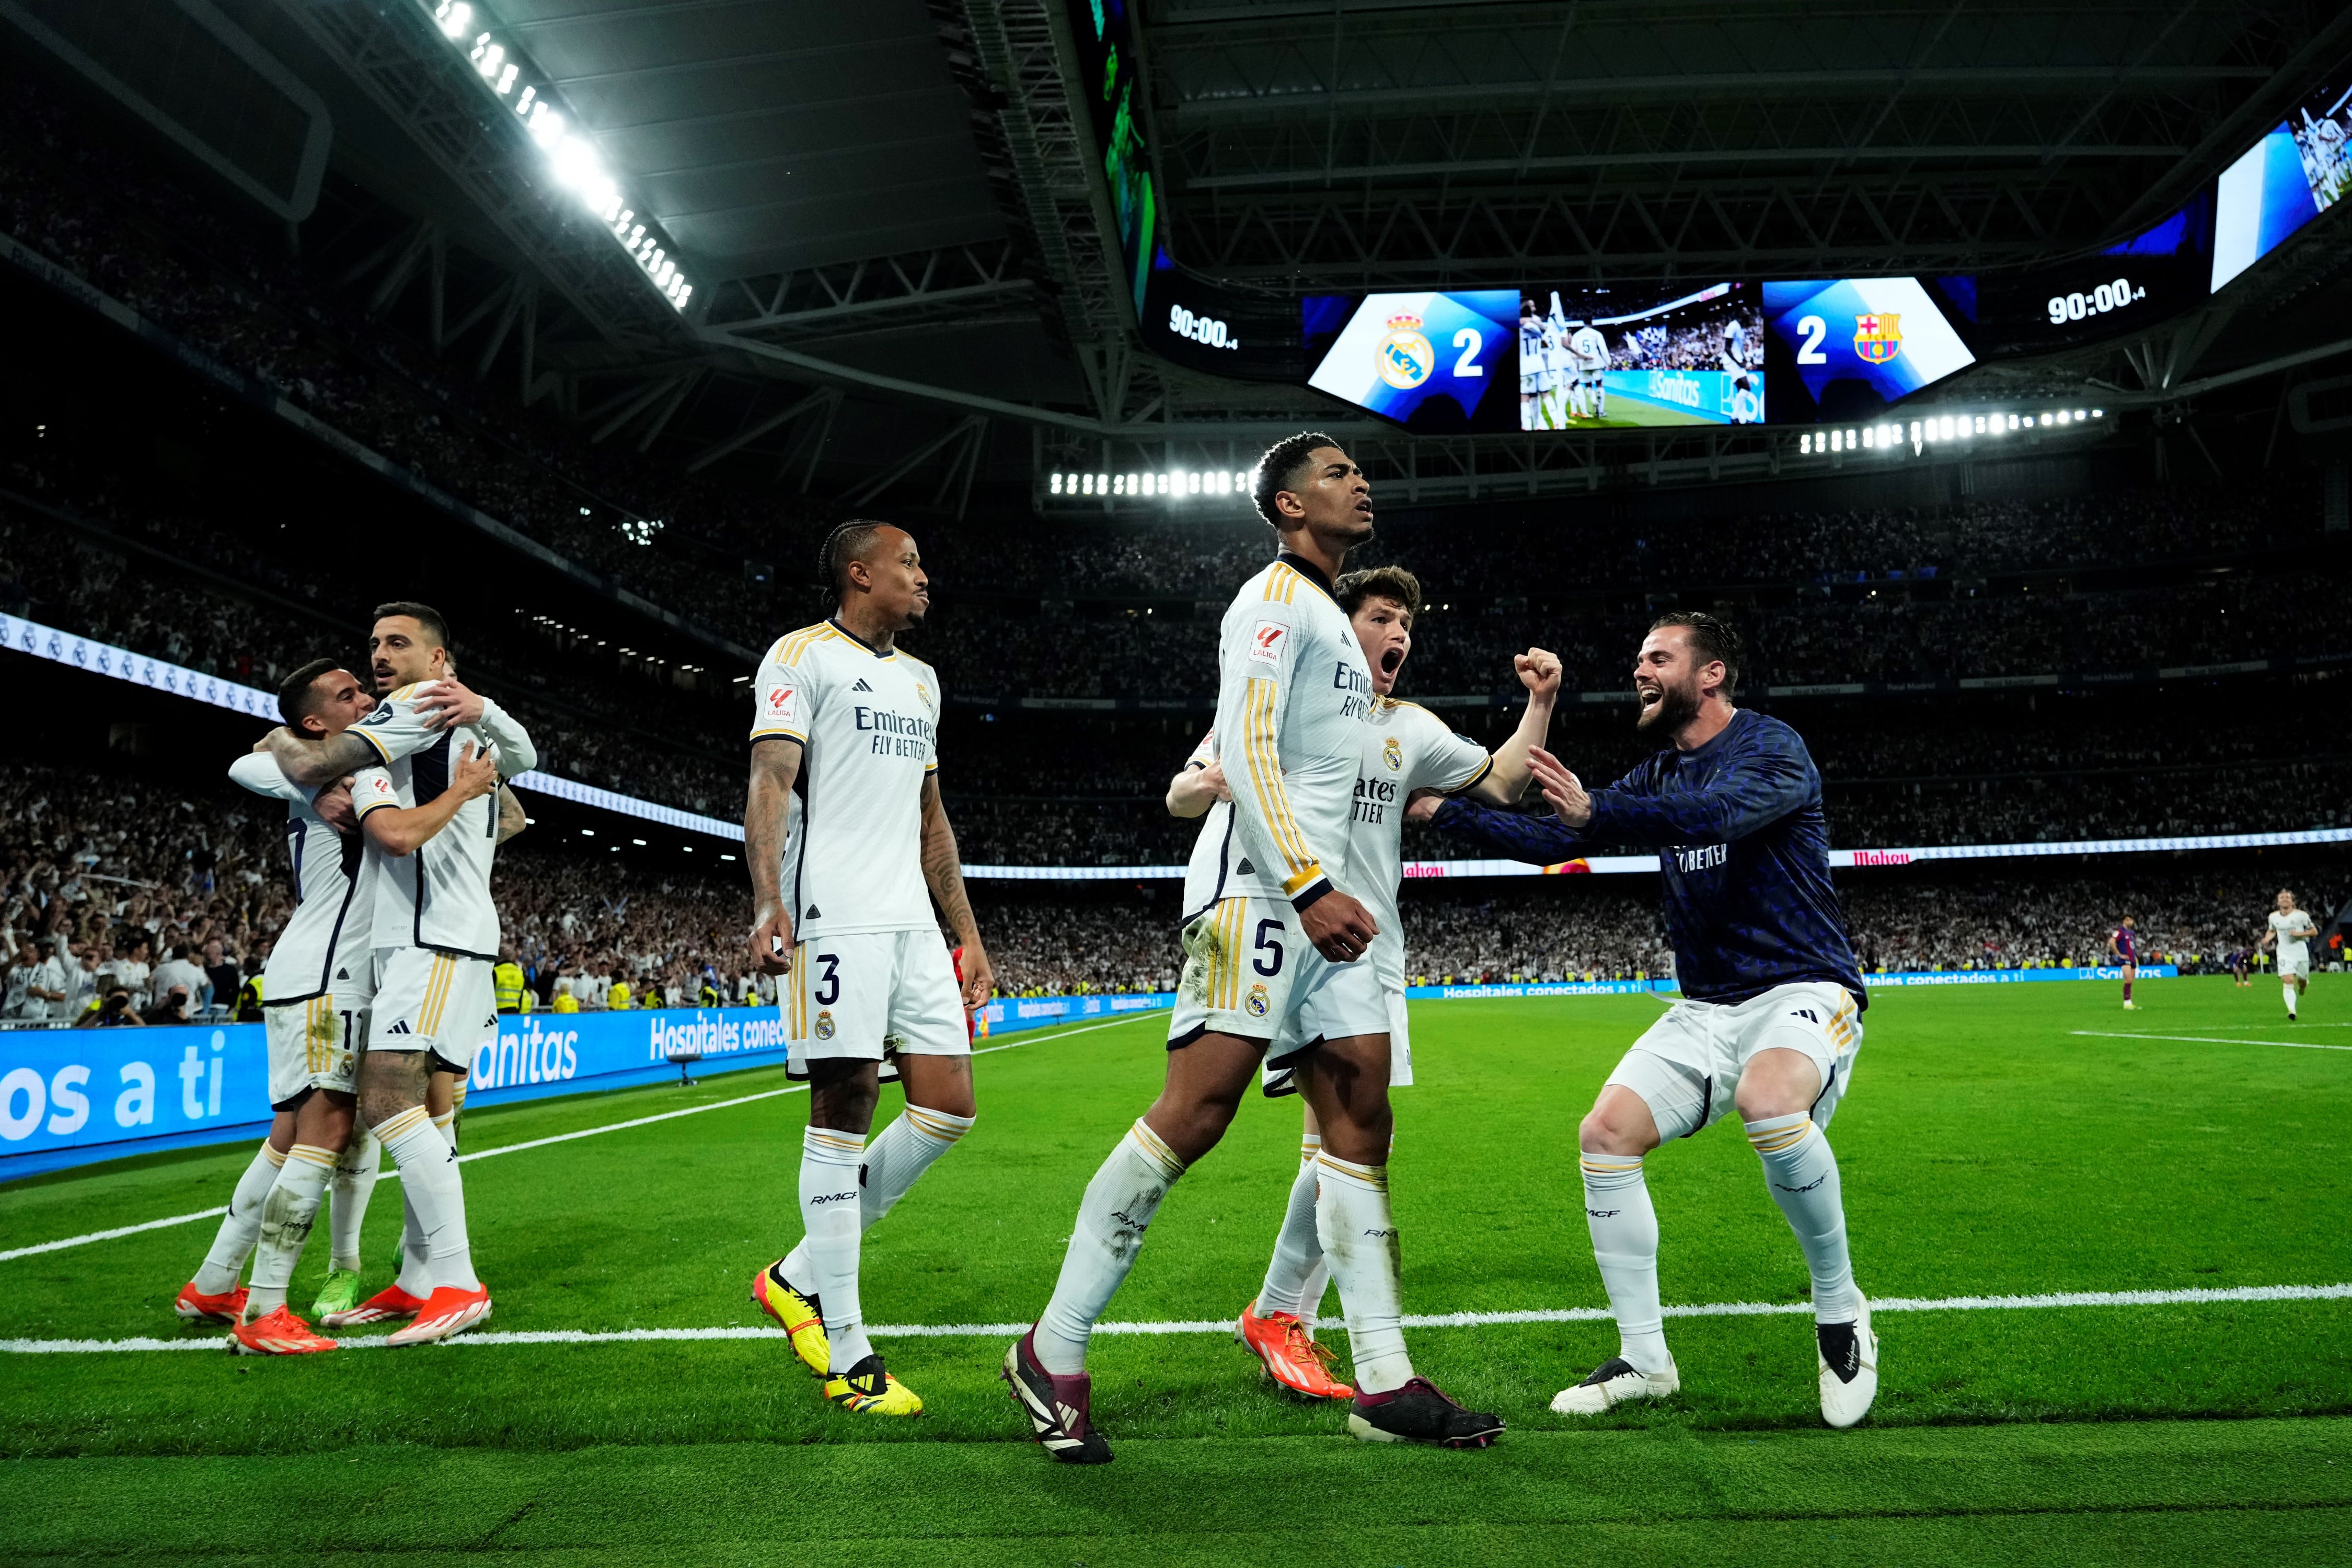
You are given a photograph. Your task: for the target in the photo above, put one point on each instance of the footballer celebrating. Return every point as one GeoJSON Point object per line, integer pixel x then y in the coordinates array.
{"type": "Point", "coordinates": [849, 845]}
{"type": "Point", "coordinates": [1275, 971]}
{"type": "Point", "coordinates": [425, 765]}
{"type": "Point", "coordinates": [1407, 750]}
{"type": "Point", "coordinates": [316, 989]}
{"type": "Point", "coordinates": [1770, 1017]}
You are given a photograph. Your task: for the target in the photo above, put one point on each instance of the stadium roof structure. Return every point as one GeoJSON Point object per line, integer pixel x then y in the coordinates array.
{"type": "Point", "coordinates": [891, 224]}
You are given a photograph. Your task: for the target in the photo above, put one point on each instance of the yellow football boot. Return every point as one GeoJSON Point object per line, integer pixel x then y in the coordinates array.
{"type": "Point", "coordinates": [797, 1315]}
{"type": "Point", "coordinates": [869, 1390]}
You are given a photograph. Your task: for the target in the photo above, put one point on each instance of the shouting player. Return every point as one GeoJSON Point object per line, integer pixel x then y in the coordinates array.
{"type": "Point", "coordinates": [318, 982]}
{"type": "Point", "coordinates": [845, 831]}
{"type": "Point", "coordinates": [1407, 749]}
{"type": "Point", "coordinates": [427, 759]}
{"type": "Point", "coordinates": [1770, 1017]}
{"type": "Point", "coordinates": [1275, 971]}
{"type": "Point", "coordinates": [2291, 930]}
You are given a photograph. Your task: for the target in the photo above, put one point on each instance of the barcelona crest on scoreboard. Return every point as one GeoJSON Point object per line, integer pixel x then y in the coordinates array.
{"type": "Point", "coordinates": [1878, 337]}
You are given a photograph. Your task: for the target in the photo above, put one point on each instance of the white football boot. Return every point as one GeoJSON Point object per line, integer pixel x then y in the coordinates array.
{"type": "Point", "coordinates": [1847, 1390]}
{"type": "Point", "coordinates": [1614, 1382]}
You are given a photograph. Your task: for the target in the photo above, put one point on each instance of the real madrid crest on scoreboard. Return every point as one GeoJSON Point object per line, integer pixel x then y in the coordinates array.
{"type": "Point", "coordinates": [1434, 361]}
{"type": "Point", "coordinates": [1405, 357]}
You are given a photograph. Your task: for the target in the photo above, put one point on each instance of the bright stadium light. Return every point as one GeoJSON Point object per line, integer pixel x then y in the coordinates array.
{"type": "Point", "coordinates": [572, 157]}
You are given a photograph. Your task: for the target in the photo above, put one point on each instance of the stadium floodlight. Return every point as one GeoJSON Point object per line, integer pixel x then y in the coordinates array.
{"type": "Point", "coordinates": [587, 833]}
{"type": "Point", "coordinates": [572, 157]}
{"type": "Point", "coordinates": [639, 842]}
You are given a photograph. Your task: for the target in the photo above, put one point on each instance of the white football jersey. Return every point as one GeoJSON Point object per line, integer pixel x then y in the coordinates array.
{"type": "Point", "coordinates": [1293, 697]}
{"type": "Point", "coordinates": [439, 895]}
{"type": "Point", "coordinates": [2291, 929]}
{"type": "Point", "coordinates": [1406, 748]}
{"type": "Point", "coordinates": [1557, 353]}
{"type": "Point", "coordinates": [868, 727]}
{"type": "Point", "coordinates": [1590, 348]}
{"type": "Point", "coordinates": [326, 939]}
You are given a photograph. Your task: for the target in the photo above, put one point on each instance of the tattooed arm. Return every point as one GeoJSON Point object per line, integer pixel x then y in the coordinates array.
{"type": "Point", "coordinates": [943, 869]}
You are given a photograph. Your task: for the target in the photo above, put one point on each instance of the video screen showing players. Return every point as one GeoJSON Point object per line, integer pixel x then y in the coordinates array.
{"type": "Point", "coordinates": [1431, 361]}
{"type": "Point", "coordinates": [2294, 174]}
{"type": "Point", "coordinates": [1596, 357]}
{"type": "Point", "coordinates": [1845, 348]}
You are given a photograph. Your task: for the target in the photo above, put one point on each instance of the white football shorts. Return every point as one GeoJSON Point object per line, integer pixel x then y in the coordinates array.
{"type": "Point", "coordinates": [851, 995]}
{"type": "Point", "coordinates": [1276, 1080]}
{"type": "Point", "coordinates": [1686, 1066]}
{"type": "Point", "coordinates": [2297, 962]}
{"type": "Point", "coordinates": [314, 1044]}
{"type": "Point", "coordinates": [1249, 971]}
{"type": "Point", "coordinates": [428, 1001]}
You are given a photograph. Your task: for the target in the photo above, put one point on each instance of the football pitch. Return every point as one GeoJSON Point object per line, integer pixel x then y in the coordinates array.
{"type": "Point", "coordinates": [2109, 1250]}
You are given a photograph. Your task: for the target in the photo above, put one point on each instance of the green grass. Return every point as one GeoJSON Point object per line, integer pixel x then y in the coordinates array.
{"type": "Point", "coordinates": [1986, 1149]}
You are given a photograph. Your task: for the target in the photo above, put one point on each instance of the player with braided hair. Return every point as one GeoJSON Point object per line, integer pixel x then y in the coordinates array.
{"type": "Point", "coordinates": [845, 833]}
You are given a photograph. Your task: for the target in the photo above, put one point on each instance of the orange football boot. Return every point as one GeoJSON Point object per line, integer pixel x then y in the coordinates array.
{"type": "Point", "coordinates": [279, 1333]}
{"type": "Point", "coordinates": [1292, 1358]}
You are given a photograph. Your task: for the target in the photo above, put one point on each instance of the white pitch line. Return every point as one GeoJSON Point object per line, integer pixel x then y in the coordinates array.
{"type": "Point", "coordinates": [2213, 1040]}
{"type": "Point", "coordinates": [2046, 1302]}
{"type": "Point", "coordinates": [393, 1175]}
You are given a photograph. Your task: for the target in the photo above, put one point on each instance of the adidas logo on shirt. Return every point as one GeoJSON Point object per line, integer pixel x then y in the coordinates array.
{"type": "Point", "coordinates": [1245, 868]}
{"type": "Point", "coordinates": [813, 914]}
{"type": "Point", "coordinates": [400, 1028]}
{"type": "Point", "coordinates": [861, 685]}
{"type": "Point", "coordinates": [343, 974]}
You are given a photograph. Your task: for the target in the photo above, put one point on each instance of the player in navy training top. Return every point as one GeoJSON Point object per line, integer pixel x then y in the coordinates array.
{"type": "Point", "coordinates": [2122, 946]}
{"type": "Point", "coordinates": [1770, 1017]}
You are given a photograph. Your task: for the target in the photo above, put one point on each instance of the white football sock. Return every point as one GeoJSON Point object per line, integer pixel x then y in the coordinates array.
{"type": "Point", "coordinates": [1624, 1226]}
{"type": "Point", "coordinates": [829, 1213]}
{"type": "Point", "coordinates": [429, 1183]}
{"type": "Point", "coordinates": [1297, 1253]}
{"type": "Point", "coordinates": [1112, 1217]}
{"type": "Point", "coordinates": [446, 1124]}
{"type": "Point", "coordinates": [896, 1158]}
{"type": "Point", "coordinates": [241, 1227]}
{"type": "Point", "coordinates": [1360, 1241]}
{"type": "Point", "coordinates": [354, 1183]}
{"type": "Point", "coordinates": [416, 1264]}
{"type": "Point", "coordinates": [2289, 989]}
{"type": "Point", "coordinates": [1802, 1175]}
{"type": "Point", "coordinates": [287, 1216]}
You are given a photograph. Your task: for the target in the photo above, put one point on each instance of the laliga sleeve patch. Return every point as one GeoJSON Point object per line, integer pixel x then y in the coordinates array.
{"type": "Point", "coordinates": [780, 706]}
{"type": "Point", "coordinates": [1267, 642]}
{"type": "Point", "coordinates": [371, 788]}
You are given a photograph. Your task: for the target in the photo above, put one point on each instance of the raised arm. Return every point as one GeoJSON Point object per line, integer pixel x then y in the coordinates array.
{"type": "Point", "coordinates": [775, 763]}
{"type": "Point", "coordinates": [1767, 783]}
{"type": "Point", "coordinates": [1506, 781]}
{"type": "Point", "coordinates": [258, 771]}
{"type": "Point", "coordinates": [943, 869]}
{"type": "Point", "coordinates": [1538, 840]}
{"type": "Point", "coordinates": [517, 755]}
{"type": "Point", "coordinates": [307, 764]}
{"type": "Point", "coordinates": [399, 829]}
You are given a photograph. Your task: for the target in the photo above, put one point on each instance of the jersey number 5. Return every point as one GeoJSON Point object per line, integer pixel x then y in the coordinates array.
{"type": "Point", "coordinates": [1267, 932]}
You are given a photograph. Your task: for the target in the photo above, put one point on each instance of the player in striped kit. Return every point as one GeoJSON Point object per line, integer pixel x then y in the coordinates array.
{"type": "Point", "coordinates": [848, 846]}
{"type": "Point", "coordinates": [1275, 971]}
{"type": "Point", "coordinates": [425, 765]}
{"type": "Point", "coordinates": [2122, 946]}
{"type": "Point", "coordinates": [318, 985]}
{"type": "Point", "coordinates": [1408, 751]}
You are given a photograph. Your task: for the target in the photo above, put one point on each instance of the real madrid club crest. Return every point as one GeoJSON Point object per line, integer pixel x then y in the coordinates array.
{"type": "Point", "coordinates": [824, 1023]}
{"type": "Point", "coordinates": [923, 694]}
{"type": "Point", "coordinates": [1392, 753]}
{"type": "Point", "coordinates": [1256, 1002]}
{"type": "Point", "coordinates": [1878, 337]}
{"type": "Point", "coordinates": [1406, 359]}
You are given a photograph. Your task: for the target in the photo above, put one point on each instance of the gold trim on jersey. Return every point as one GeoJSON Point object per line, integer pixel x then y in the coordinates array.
{"type": "Point", "coordinates": [1262, 759]}
{"type": "Point", "coordinates": [1281, 584]}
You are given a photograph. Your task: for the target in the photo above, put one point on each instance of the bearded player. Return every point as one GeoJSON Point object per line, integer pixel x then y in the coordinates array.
{"type": "Point", "coordinates": [1275, 971]}
{"type": "Point", "coordinates": [1770, 1017]}
{"type": "Point", "coordinates": [1407, 750]}
{"type": "Point", "coordinates": [849, 845]}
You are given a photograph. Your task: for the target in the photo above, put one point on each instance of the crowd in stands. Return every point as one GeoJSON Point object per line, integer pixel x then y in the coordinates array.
{"type": "Point", "coordinates": [172, 894]}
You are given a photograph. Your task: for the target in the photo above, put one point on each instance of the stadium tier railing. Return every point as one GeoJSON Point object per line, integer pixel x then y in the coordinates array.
{"type": "Point", "coordinates": [28, 637]}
